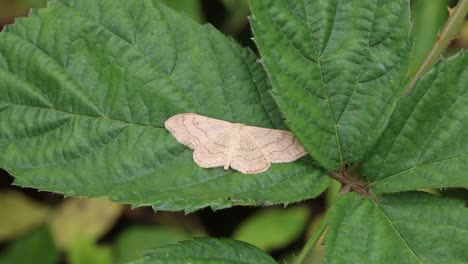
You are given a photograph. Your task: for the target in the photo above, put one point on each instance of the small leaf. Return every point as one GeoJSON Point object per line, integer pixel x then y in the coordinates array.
{"type": "Point", "coordinates": [19, 214]}
{"type": "Point", "coordinates": [273, 228]}
{"type": "Point", "coordinates": [337, 69]}
{"type": "Point", "coordinates": [134, 240]}
{"type": "Point", "coordinates": [85, 251]}
{"type": "Point", "coordinates": [37, 247]}
{"type": "Point", "coordinates": [87, 85]}
{"type": "Point", "coordinates": [413, 227]}
{"type": "Point", "coordinates": [83, 218]}
{"type": "Point", "coordinates": [207, 250]}
{"type": "Point", "coordinates": [425, 144]}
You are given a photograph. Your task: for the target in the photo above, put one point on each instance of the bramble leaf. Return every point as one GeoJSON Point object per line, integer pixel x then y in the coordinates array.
{"type": "Point", "coordinates": [87, 85]}
{"type": "Point", "coordinates": [132, 242]}
{"type": "Point", "coordinates": [205, 251]}
{"type": "Point", "coordinates": [425, 144]}
{"type": "Point", "coordinates": [337, 69]}
{"type": "Point", "coordinates": [412, 227]}
{"type": "Point", "coordinates": [36, 247]}
{"type": "Point", "coordinates": [273, 228]}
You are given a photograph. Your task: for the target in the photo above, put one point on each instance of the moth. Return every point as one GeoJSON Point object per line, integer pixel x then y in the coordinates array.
{"type": "Point", "coordinates": [247, 149]}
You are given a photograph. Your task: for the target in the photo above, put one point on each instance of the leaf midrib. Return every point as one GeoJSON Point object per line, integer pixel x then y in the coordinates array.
{"type": "Point", "coordinates": [318, 65]}
{"type": "Point", "coordinates": [396, 231]}
{"type": "Point", "coordinates": [434, 128]}
{"type": "Point", "coordinates": [361, 67]}
{"type": "Point", "coordinates": [136, 48]}
{"type": "Point", "coordinates": [107, 119]}
{"type": "Point", "coordinates": [325, 89]}
{"type": "Point", "coordinates": [417, 166]}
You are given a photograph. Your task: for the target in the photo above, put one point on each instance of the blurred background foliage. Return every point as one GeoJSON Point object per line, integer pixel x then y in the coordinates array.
{"type": "Point", "coordinates": [53, 230]}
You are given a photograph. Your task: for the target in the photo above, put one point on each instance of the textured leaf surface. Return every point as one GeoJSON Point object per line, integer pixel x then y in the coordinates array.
{"type": "Point", "coordinates": [425, 144]}
{"type": "Point", "coordinates": [337, 68]}
{"type": "Point", "coordinates": [87, 85]}
{"type": "Point", "coordinates": [273, 228]}
{"type": "Point", "coordinates": [136, 239]}
{"type": "Point", "coordinates": [37, 247]}
{"type": "Point", "coordinates": [207, 250]}
{"type": "Point", "coordinates": [411, 227]}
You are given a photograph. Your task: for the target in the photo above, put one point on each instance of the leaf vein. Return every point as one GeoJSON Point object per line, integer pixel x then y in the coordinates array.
{"type": "Point", "coordinates": [48, 131]}
{"type": "Point", "coordinates": [444, 115]}
{"type": "Point", "coordinates": [257, 88]}
{"type": "Point", "coordinates": [82, 91]}
{"type": "Point", "coordinates": [418, 165]}
{"type": "Point", "coordinates": [397, 232]}
{"type": "Point", "coordinates": [84, 116]}
{"type": "Point", "coordinates": [363, 62]}
{"type": "Point", "coordinates": [140, 51]}
{"type": "Point", "coordinates": [84, 154]}
{"type": "Point", "coordinates": [222, 75]}
{"type": "Point", "coordinates": [325, 89]}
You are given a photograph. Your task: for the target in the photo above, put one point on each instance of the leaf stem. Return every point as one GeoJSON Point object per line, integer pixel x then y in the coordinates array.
{"type": "Point", "coordinates": [450, 29]}
{"type": "Point", "coordinates": [315, 237]}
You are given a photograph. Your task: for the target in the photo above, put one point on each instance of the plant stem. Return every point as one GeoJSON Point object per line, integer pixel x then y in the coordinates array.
{"type": "Point", "coordinates": [450, 29]}
{"type": "Point", "coordinates": [315, 237]}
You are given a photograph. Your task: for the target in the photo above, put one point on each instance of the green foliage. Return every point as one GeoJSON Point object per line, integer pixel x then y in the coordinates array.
{"type": "Point", "coordinates": [425, 143]}
{"type": "Point", "coordinates": [85, 219]}
{"type": "Point", "coordinates": [37, 247]}
{"type": "Point", "coordinates": [428, 20]}
{"type": "Point", "coordinates": [189, 7]}
{"type": "Point", "coordinates": [273, 228]}
{"type": "Point", "coordinates": [85, 251]}
{"type": "Point", "coordinates": [207, 251]}
{"type": "Point", "coordinates": [88, 86]}
{"type": "Point", "coordinates": [412, 227]}
{"type": "Point", "coordinates": [133, 241]}
{"type": "Point", "coordinates": [337, 69]}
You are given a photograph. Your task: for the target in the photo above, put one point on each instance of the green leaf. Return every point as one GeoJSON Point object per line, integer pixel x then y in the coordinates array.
{"type": "Point", "coordinates": [191, 8]}
{"type": "Point", "coordinates": [134, 240]}
{"type": "Point", "coordinates": [273, 228]}
{"type": "Point", "coordinates": [425, 144]}
{"type": "Point", "coordinates": [19, 214]}
{"type": "Point", "coordinates": [428, 17]}
{"type": "Point", "coordinates": [87, 219]}
{"type": "Point", "coordinates": [37, 247]}
{"type": "Point", "coordinates": [337, 68]}
{"type": "Point", "coordinates": [413, 227]}
{"type": "Point", "coordinates": [207, 250]}
{"type": "Point", "coordinates": [85, 251]}
{"type": "Point", "coordinates": [87, 85]}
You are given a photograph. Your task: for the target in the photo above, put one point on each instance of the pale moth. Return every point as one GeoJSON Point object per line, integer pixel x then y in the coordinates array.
{"type": "Point", "coordinates": [247, 149]}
